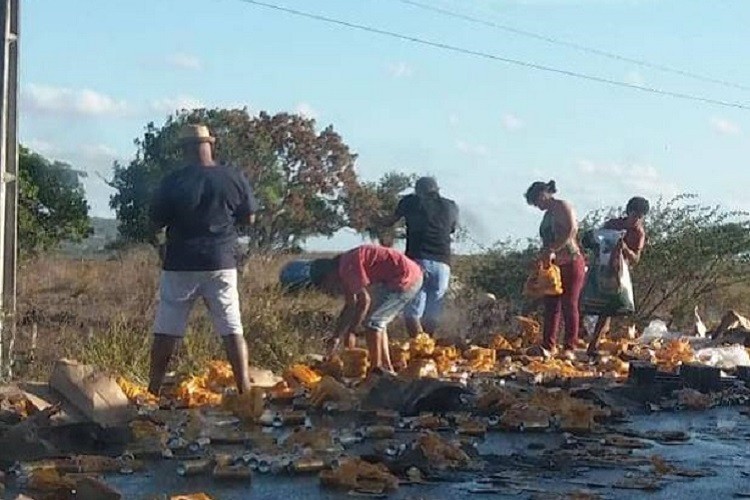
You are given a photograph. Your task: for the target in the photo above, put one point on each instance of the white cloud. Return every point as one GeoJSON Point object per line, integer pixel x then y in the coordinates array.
{"type": "Point", "coordinates": [181, 60]}
{"type": "Point", "coordinates": [41, 146]}
{"type": "Point", "coordinates": [725, 127]}
{"type": "Point", "coordinates": [306, 110]}
{"type": "Point", "coordinates": [472, 149]}
{"type": "Point", "coordinates": [635, 78]}
{"type": "Point", "coordinates": [400, 70]}
{"type": "Point", "coordinates": [613, 180]}
{"type": "Point", "coordinates": [172, 104]}
{"type": "Point", "coordinates": [67, 101]}
{"type": "Point", "coordinates": [98, 152]}
{"type": "Point", "coordinates": [512, 122]}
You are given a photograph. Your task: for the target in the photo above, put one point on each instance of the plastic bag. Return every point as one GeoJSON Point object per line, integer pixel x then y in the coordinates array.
{"type": "Point", "coordinates": [655, 330]}
{"type": "Point", "coordinates": [724, 357]}
{"type": "Point", "coordinates": [544, 282]}
{"type": "Point", "coordinates": [609, 288]}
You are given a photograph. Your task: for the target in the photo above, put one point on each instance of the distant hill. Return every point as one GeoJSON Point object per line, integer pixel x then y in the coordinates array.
{"type": "Point", "coordinates": [105, 233]}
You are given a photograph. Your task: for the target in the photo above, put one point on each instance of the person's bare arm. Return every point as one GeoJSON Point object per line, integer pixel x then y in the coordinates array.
{"type": "Point", "coordinates": [633, 255]}
{"type": "Point", "coordinates": [353, 313]}
{"type": "Point", "coordinates": [565, 228]}
{"type": "Point", "coordinates": [390, 220]}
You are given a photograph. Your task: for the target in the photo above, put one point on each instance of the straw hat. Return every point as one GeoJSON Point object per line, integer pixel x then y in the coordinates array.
{"type": "Point", "coordinates": [196, 133]}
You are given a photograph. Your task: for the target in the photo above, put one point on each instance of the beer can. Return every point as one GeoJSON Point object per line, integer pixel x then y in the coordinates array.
{"type": "Point", "coordinates": [308, 465]}
{"type": "Point", "coordinates": [194, 467]}
{"type": "Point", "coordinates": [199, 444]}
{"type": "Point", "coordinates": [388, 416]}
{"type": "Point", "coordinates": [379, 432]}
{"type": "Point", "coordinates": [223, 459]}
{"type": "Point", "coordinates": [293, 417]}
{"type": "Point", "coordinates": [264, 466]}
{"type": "Point", "coordinates": [232, 473]}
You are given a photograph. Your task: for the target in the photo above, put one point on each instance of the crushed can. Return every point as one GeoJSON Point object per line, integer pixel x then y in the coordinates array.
{"type": "Point", "coordinates": [194, 467]}
{"type": "Point", "coordinates": [390, 416]}
{"type": "Point", "coordinates": [308, 465]}
{"type": "Point", "coordinates": [199, 444]}
{"type": "Point", "coordinates": [264, 466]}
{"type": "Point", "coordinates": [232, 473]}
{"type": "Point", "coordinates": [289, 418]}
{"type": "Point", "coordinates": [378, 432]}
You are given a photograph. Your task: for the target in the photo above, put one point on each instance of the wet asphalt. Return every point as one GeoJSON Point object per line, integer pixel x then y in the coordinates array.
{"type": "Point", "coordinates": [719, 445]}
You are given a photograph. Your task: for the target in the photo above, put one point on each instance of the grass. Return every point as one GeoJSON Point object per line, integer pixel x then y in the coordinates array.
{"type": "Point", "coordinates": [100, 312]}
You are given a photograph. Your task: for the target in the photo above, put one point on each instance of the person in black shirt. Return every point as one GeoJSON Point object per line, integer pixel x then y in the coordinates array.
{"type": "Point", "coordinates": [200, 206]}
{"type": "Point", "coordinates": [430, 222]}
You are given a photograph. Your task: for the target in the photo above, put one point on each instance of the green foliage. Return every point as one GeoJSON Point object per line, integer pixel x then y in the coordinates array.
{"type": "Point", "coordinates": [503, 270]}
{"type": "Point", "coordinates": [297, 172]}
{"type": "Point", "coordinates": [51, 204]}
{"type": "Point", "coordinates": [368, 204]}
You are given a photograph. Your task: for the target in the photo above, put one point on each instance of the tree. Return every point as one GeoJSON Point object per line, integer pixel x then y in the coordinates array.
{"type": "Point", "coordinates": [51, 203]}
{"type": "Point", "coordinates": [367, 205]}
{"type": "Point", "coordinates": [298, 174]}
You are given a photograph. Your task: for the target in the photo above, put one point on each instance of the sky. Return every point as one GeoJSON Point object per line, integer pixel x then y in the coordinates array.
{"type": "Point", "coordinates": [94, 73]}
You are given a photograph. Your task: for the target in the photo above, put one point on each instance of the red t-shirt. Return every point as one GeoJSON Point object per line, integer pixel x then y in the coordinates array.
{"type": "Point", "coordinates": [635, 237]}
{"type": "Point", "coordinates": [373, 264]}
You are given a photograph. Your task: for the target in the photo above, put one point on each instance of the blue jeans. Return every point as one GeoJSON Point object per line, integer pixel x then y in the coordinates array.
{"type": "Point", "coordinates": [428, 304]}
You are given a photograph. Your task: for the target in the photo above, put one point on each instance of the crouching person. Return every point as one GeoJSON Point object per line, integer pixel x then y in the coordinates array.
{"type": "Point", "coordinates": [377, 283]}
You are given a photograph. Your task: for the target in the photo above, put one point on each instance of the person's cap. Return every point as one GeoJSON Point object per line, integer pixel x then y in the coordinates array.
{"type": "Point", "coordinates": [426, 185]}
{"type": "Point", "coordinates": [295, 275]}
{"type": "Point", "coordinates": [300, 274]}
{"type": "Point", "coordinates": [196, 133]}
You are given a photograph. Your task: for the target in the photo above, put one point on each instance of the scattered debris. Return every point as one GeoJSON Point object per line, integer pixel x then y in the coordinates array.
{"type": "Point", "coordinates": [360, 476]}
{"type": "Point", "coordinates": [93, 393]}
{"type": "Point", "coordinates": [694, 400]}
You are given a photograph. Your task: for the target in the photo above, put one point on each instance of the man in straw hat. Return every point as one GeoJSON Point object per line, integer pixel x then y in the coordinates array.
{"type": "Point", "coordinates": [200, 206]}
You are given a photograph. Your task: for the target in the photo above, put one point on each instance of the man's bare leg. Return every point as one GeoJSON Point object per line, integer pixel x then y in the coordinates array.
{"type": "Point", "coordinates": [238, 357]}
{"type": "Point", "coordinates": [375, 348]}
{"type": "Point", "coordinates": [602, 327]}
{"type": "Point", "coordinates": [351, 340]}
{"type": "Point", "coordinates": [162, 350]}
{"type": "Point", "coordinates": [386, 348]}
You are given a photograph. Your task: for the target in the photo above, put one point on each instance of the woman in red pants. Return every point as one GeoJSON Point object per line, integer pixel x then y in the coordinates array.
{"type": "Point", "coordinates": [559, 231]}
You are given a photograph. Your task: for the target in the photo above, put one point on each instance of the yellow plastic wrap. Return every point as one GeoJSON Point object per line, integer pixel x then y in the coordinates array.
{"type": "Point", "coordinates": [544, 282]}
{"type": "Point", "coordinates": [136, 393]}
{"type": "Point", "coordinates": [422, 346]}
{"type": "Point", "coordinates": [355, 362]}
{"type": "Point", "coordinates": [302, 374]}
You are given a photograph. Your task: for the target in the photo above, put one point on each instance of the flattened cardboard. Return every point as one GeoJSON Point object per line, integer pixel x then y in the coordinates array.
{"type": "Point", "coordinates": [96, 395]}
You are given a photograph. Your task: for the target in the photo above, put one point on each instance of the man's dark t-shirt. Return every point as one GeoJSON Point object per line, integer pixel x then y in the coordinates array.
{"type": "Point", "coordinates": [430, 221]}
{"type": "Point", "coordinates": [200, 207]}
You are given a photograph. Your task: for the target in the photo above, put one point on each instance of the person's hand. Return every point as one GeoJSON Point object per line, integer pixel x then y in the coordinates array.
{"type": "Point", "coordinates": [619, 247]}
{"type": "Point", "coordinates": [545, 257]}
{"type": "Point", "coordinates": [333, 345]}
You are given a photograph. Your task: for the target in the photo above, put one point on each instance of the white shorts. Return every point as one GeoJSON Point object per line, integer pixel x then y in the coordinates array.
{"type": "Point", "coordinates": [178, 291]}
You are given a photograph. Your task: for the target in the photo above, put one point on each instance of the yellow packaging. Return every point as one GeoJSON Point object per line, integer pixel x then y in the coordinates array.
{"type": "Point", "coordinates": [544, 282]}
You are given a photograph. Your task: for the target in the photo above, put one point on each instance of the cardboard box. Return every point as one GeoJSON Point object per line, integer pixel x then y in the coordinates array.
{"type": "Point", "coordinates": [95, 394]}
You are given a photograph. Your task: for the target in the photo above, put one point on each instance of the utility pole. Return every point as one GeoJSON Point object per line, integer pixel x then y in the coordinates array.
{"type": "Point", "coordinates": [8, 181]}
